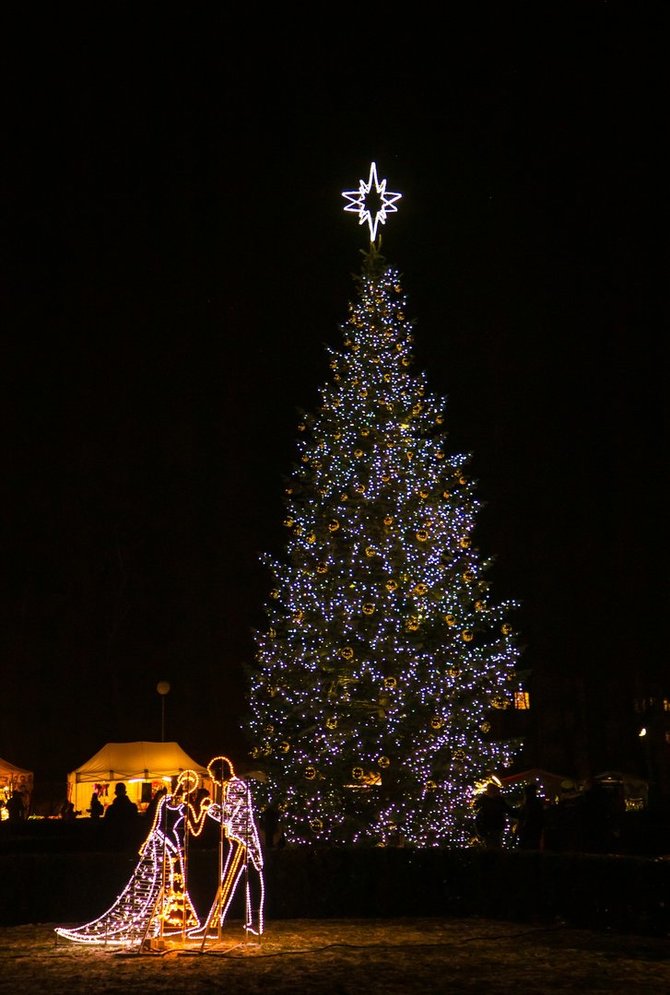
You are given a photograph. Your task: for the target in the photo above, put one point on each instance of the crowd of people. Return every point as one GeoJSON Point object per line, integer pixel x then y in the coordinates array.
{"type": "Point", "coordinates": [590, 822]}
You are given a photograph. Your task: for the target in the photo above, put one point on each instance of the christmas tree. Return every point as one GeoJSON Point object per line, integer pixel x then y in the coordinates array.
{"type": "Point", "coordinates": [384, 651]}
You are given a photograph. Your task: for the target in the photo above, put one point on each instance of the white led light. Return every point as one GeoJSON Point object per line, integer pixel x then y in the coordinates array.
{"type": "Point", "coordinates": [358, 202]}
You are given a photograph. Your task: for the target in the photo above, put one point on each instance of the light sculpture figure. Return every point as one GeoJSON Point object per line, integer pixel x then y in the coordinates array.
{"type": "Point", "coordinates": [155, 901]}
{"type": "Point", "coordinates": [359, 202]}
{"type": "Point", "coordinates": [240, 857]}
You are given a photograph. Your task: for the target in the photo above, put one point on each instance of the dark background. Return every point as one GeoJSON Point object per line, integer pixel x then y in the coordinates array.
{"type": "Point", "coordinates": [176, 258]}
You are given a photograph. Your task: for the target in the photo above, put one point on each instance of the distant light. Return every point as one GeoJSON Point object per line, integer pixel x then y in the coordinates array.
{"type": "Point", "coordinates": [642, 732]}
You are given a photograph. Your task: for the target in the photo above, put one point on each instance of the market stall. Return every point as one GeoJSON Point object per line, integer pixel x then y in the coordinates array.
{"type": "Point", "coordinates": [14, 779]}
{"type": "Point", "coordinates": [144, 767]}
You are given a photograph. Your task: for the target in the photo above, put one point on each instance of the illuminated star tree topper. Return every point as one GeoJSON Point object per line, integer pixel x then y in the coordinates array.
{"type": "Point", "coordinates": [371, 202]}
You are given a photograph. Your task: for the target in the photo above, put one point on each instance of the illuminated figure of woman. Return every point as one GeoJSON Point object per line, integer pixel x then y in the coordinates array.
{"type": "Point", "coordinates": [240, 857]}
{"type": "Point", "coordinates": [155, 902]}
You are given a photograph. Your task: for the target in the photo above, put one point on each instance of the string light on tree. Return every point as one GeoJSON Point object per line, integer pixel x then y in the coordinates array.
{"type": "Point", "coordinates": [384, 650]}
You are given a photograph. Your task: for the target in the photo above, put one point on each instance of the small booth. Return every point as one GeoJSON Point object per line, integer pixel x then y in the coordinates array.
{"type": "Point", "coordinates": [552, 787]}
{"type": "Point", "coordinates": [13, 779]}
{"type": "Point", "coordinates": [143, 767]}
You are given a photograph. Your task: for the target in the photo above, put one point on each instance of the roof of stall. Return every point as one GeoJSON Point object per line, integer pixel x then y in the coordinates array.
{"type": "Point", "coordinates": [123, 761]}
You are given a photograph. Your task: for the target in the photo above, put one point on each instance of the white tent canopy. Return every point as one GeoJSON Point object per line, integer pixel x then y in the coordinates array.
{"type": "Point", "coordinates": [142, 766]}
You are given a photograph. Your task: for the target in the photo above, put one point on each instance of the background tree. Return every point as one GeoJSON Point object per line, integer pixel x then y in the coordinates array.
{"type": "Point", "coordinates": [384, 651]}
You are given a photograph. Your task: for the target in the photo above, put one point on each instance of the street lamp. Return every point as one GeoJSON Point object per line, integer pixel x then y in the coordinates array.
{"type": "Point", "coordinates": [163, 688]}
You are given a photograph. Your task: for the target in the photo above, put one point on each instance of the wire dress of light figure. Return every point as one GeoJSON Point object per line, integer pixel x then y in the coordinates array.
{"type": "Point", "coordinates": [155, 902]}
{"type": "Point", "coordinates": [243, 859]}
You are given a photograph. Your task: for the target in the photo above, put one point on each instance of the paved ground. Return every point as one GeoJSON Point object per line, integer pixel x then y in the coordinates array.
{"type": "Point", "coordinates": [364, 957]}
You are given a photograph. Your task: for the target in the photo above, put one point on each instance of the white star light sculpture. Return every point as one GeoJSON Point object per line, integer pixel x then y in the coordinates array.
{"type": "Point", "coordinates": [358, 202]}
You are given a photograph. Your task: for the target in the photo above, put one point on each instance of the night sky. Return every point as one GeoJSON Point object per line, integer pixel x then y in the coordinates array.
{"type": "Point", "coordinates": [177, 258]}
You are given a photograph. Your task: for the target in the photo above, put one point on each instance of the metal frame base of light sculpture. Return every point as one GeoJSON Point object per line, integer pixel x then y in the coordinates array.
{"type": "Point", "coordinates": [240, 858]}
{"type": "Point", "coordinates": [359, 202]}
{"type": "Point", "coordinates": [155, 902]}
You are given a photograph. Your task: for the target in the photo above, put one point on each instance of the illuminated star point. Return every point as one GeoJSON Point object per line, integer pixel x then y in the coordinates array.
{"type": "Point", "coordinates": [358, 202]}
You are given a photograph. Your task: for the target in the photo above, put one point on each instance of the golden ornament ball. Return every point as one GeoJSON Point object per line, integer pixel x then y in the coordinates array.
{"type": "Point", "coordinates": [506, 629]}
{"type": "Point", "coordinates": [422, 535]}
{"type": "Point", "coordinates": [357, 773]}
{"type": "Point", "coordinates": [310, 773]}
{"type": "Point", "coordinates": [384, 762]}
{"type": "Point", "coordinates": [436, 722]}
{"type": "Point", "coordinates": [450, 619]}
{"type": "Point", "coordinates": [390, 683]}
{"type": "Point", "coordinates": [334, 525]}
{"type": "Point", "coordinates": [346, 653]}
{"type": "Point", "coordinates": [368, 608]}
{"type": "Point", "coordinates": [467, 635]}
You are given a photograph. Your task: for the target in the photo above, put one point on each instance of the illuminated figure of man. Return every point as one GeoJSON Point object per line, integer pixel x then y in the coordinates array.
{"type": "Point", "coordinates": [155, 902]}
{"type": "Point", "coordinates": [240, 857]}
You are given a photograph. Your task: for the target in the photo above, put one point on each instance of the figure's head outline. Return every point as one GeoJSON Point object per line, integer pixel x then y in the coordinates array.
{"type": "Point", "coordinates": [216, 769]}
{"type": "Point", "coordinates": [187, 782]}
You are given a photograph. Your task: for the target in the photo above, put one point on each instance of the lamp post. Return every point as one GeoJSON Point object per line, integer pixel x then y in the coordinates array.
{"type": "Point", "coordinates": [163, 688]}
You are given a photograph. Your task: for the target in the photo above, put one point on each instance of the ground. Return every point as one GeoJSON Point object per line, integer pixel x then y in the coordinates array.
{"type": "Point", "coordinates": [338, 957]}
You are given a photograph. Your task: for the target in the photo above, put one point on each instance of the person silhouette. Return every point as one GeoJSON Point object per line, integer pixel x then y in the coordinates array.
{"type": "Point", "coordinates": [531, 820]}
{"type": "Point", "coordinates": [491, 812]}
{"type": "Point", "coordinates": [15, 807]}
{"type": "Point", "coordinates": [121, 818]}
{"type": "Point", "coordinates": [96, 807]}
